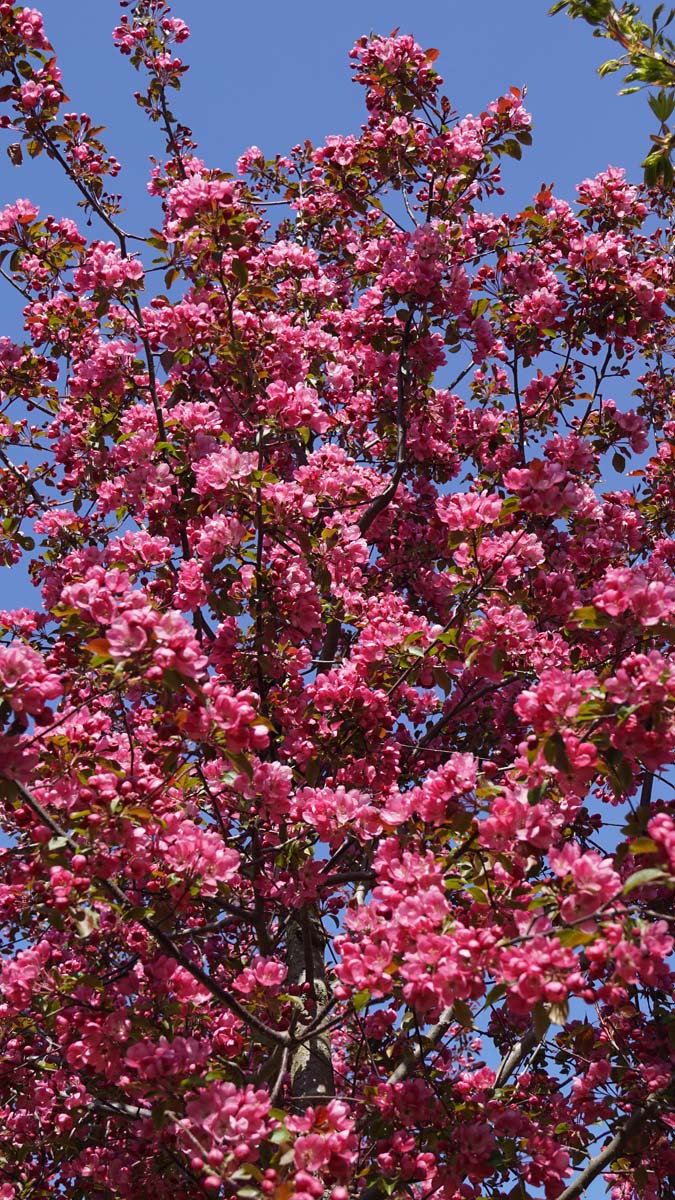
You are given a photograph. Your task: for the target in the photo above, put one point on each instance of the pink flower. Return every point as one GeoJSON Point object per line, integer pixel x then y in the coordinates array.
{"type": "Point", "coordinates": [20, 976]}
{"type": "Point", "coordinates": [452, 780]}
{"type": "Point", "coordinates": [31, 94]}
{"type": "Point", "coordinates": [163, 1059]}
{"type": "Point", "coordinates": [25, 682]}
{"type": "Point", "coordinates": [176, 28]}
{"type": "Point", "coordinates": [469, 510]}
{"type": "Point", "coordinates": [126, 637]}
{"type": "Point", "coordinates": [217, 471]}
{"type": "Point", "coordinates": [236, 715]}
{"type": "Point", "coordinates": [538, 968]}
{"type": "Point", "coordinates": [592, 879]}
{"type": "Point", "coordinates": [556, 699]}
{"type": "Point", "coordinates": [105, 267]}
{"type": "Point", "coordinates": [30, 25]}
{"type": "Point", "coordinates": [193, 852]}
{"type": "Point", "coordinates": [661, 829]}
{"type": "Point", "coordinates": [330, 1144]}
{"type": "Point", "coordinates": [22, 212]}
{"type": "Point", "coordinates": [224, 1115]}
{"type": "Point", "coordinates": [198, 193]}
{"type": "Point", "coordinates": [191, 591]}
{"type": "Point", "coordinates": [295, 406]}
{"type": "Point", "coordinates": [331, 810]}
{"type": "Point", "coordinates": [629, 589]}
{"type": "Point", "coordinates": [541, 307]}
{"type": "Point", "coordinates": [544, 487]}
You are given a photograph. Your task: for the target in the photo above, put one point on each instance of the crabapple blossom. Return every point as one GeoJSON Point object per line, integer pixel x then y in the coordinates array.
{"type": "Point", "coordinates": [338, 851]}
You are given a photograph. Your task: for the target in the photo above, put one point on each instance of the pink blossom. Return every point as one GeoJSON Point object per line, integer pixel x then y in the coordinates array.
{"type": "Point", "coordinates": [625, 588]}
{"type": "Point", "coordinates": [22, 212]}
{"type": "Point", "coordinates": [30, 25]}
{"type": "Point", "coordinates": [544, 487]}
{"type": "Point", "coordinates": [217, 471]}
{"type": "Point", "coordinates": [105, 267]}
{"type": "Point", "coordinates": [236, 715]}
{"type": "Point", "coordinates": [556, 699]}
{"type": "Point", "coordinates": [196, 194]}
{"type": "Point", "coordinates": [661, 829]}
{"type": "Point", "coordinates": [330, 1146]}
{"type": "Point", "coordinates": [537, 969]}
{"type": "Point", "coordinates": [19, 976]}
{"type": "Point", "coordinates": [26, 682]}
{"type": "Point", "coordinates": [31, 94]}
{"type": "Point", "coordinates": [453, 779]}
{"type": "Point", "coordinates": [592, 879]}
{"type": "Point", "coordinates": [126, 638]}
{"type": "Point", "coordinates": [227, 1116]}
{"type": "Point", "coordinates": [193, 852]}
{"type": "Point", "coordinates": [296, 406]}
{"type": "Point", "coordinates": [163, 1059]}
{"type": "Point", "coordinates": [468, 510]}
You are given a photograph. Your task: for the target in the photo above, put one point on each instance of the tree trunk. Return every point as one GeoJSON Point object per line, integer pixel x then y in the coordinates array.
{"type": "Point", "coordinates": [311, 1062]}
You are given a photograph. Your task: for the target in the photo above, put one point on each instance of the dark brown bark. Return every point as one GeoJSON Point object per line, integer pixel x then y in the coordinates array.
{"type": "Point", "coordinates": [311, 1060]}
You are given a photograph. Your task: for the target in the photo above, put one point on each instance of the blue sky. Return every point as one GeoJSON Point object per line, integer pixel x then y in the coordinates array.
{"type": "Point", "coordinates": [274, 74]}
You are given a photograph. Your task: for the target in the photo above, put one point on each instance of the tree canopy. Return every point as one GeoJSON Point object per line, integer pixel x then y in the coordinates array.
{"type": "Point", "coordinates": [339, 846]}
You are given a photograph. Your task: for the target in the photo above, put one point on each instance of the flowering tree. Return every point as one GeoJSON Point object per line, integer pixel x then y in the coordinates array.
{"type": "Point", "coordinates": [335, 865]}
{"type": "Point", "coordinates": [647, 58]}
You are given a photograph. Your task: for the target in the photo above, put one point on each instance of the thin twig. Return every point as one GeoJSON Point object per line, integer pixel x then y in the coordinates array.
{"type": "Point", "coordinates": [266, 1032]}
{"type": "Point", "coordinates": [632, 1124]}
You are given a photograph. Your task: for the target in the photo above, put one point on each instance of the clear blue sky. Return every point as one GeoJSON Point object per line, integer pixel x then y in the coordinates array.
{"type": "Point", "coordinates": [274, 74]}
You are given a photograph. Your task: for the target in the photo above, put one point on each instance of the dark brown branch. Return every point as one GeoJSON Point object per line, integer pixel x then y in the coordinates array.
{"type": "Point", "coordinates": [384, 499]}
{"type": "Point", "coordinates": [276, 1036]}
{"type": "Point", "coordinates": [327, 653]}
{"type": "Point", "coordinates": [632, 1124]}
{"type": "Point", "coordinates": [172, 144]}
{"type": "Point", "coordinates": [311, 1060]}
{"type": "Point", "coordinates": [443, 721]}
{"type": "Point", "coordinates": [519, 407]}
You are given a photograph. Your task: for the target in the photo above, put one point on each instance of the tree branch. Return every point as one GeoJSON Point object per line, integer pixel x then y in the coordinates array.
{"type": "Point", "coordinates": [611, 1151]}
{"type": "Point", "coordinates": [266, 1032]}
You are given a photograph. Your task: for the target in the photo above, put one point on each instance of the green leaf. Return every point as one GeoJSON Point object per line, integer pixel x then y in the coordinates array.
{"type": "Point", "coordinates": [640, 878]}
{"type": "Point", "coordinates": [620, 773]}
{"type": "Point", "coordinates": [240, 271]}
{"type": "Point", "coordinates": [540, 1019]}
{"type": "Point", "coordinates": [555, 752]}
{"type": "Point", "coordinates": [588, 617]}
{"type": "Point", "coordinates": [609, 67]}
{"type": "Point", "coordinates": [462, 1013]}
{"type": "Point", "coordinates": [512, 148]}
{"type": "Point", "coordinates": [442, 679]}
{"type": "Point", "coordinates": [361, 1000]}
{"type": "Point", "coordinates": [559, 1013]}
{"type": "Point", "coordinates": [574, 937]}
{"type": "Point", "coordinates": [662, 105]}
{"type": "Point", "coordinates": [496, 993]}
{"type": "Point", "coordinates": [643, 845]}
